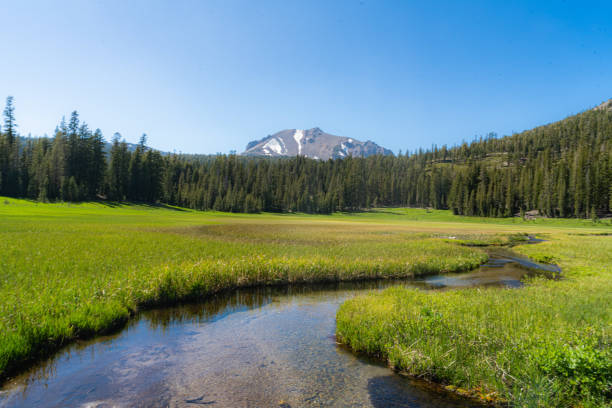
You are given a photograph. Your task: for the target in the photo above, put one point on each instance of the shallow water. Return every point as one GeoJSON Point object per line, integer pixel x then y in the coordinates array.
{"type": "Point", "coordinates": [266, 347]}
{"type": "Point", "coordinates": [504, 268]}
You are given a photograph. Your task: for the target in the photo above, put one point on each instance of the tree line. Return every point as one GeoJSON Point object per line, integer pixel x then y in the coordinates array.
{"type": "Point", "coordinates": [562, 170]}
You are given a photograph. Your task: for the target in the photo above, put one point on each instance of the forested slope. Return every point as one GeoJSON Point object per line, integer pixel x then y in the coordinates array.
{"type": "Point", "coordinates": [563, 169]}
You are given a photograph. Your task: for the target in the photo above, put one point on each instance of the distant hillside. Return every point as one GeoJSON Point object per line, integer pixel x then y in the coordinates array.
{"type": "Point", "coordinates": [605, 106]}
{"type": "Point", "coordinates": [561, 169]}
{"type": "Point", "coordinates": [313, 143]}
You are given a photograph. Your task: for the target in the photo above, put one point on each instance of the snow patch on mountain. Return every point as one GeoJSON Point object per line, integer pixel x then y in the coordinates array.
{"type": "Point", "coordinates": [284, 148]}
{"type": "Point", "coordinates": [298, 136]}
{"type": "Point", "coordinates": [274, 146]}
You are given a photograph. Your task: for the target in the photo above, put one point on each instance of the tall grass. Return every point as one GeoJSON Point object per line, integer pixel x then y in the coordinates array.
{"type": "Point", "coordinates": [72, 271]}
{"type": "Point", "coordinates": [545, 345]}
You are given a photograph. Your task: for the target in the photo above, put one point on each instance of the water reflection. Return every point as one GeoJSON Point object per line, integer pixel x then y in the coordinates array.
{"type": "Point", "coordinates": [261, 347]}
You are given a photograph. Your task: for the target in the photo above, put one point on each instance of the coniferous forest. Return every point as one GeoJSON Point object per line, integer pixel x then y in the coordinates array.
{"type": "Point", "coordinates": [562, 169]}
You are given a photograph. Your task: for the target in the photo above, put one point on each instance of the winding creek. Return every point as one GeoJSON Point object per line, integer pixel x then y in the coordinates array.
{"type": "Point", "coordinates": [263, 347]}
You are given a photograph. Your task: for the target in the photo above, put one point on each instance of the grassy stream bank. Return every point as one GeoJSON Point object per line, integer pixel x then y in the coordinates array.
{"type": "Point", "coordinates": [74, 271]}
{"type": "Point", "coordinates": [544, 345]}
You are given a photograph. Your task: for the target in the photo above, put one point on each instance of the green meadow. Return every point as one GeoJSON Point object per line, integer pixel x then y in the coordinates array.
{"type": "Point", "coordinates": [70, 271]}
{"type": "Point", "coordinates": [544, 345]}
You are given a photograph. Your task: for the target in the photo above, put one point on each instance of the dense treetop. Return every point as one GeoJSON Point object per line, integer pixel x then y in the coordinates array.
{"type": "Point", "coordinates": [563, 169]}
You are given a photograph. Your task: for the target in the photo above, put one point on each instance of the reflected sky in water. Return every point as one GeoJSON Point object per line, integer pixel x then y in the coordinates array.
{"type": "Point", "coordinates": [266, 347]}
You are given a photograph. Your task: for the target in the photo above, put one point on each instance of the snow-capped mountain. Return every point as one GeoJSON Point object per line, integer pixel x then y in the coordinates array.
{"type": "Point", "coordinates": [313, 143]}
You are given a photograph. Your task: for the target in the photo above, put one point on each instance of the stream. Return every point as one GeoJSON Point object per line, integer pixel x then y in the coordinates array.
{"type": "Point", "coordinates": [260, 347]}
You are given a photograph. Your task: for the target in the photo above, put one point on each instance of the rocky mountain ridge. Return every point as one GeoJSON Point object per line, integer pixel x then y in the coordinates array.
{"type": "Point", "coordinates": [313, 143]}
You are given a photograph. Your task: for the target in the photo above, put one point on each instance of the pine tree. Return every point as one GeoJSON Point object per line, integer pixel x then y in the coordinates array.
{"type": "Point", "coordinates": [97, 165]}
{"type": "Point", "coordinates": [9, 152]}
{"type": "Point", "coordinates": [118, 174]}
{"type": "Point", "coordinates": [10, 126]}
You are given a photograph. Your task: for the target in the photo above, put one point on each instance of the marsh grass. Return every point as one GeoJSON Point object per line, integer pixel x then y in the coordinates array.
{"type": "Point", "coordinates": [74, 271]}
{"type": "Point", "coordinates": [71, 271]}
{"type": "Point", "coordinates": [545, 345]}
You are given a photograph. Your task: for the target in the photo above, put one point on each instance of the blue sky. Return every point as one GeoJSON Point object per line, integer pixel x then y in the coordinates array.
{"type": "Point", "coordinates": [209, 76]}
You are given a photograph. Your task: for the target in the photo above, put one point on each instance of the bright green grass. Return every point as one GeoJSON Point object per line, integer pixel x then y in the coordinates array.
{"type": "Point", "coordinates": [69, 271]}
{"type": "Point", "coordinates": [74, 270]}
{"type": "Point", "coordinates": [545, 345]}
{"type": "Point", "coordinates": [420, 214]}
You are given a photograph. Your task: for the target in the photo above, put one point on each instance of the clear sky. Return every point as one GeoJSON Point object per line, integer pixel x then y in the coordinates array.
{"type": "Point", "coordinates": [208, 76]}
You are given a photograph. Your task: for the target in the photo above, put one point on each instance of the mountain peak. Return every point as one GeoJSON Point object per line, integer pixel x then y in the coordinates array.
{"type": "Point", "coordinates": [313, 143]}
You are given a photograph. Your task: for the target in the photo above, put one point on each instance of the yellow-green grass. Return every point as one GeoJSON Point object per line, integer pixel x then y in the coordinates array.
{"type": "Point", "coordinates": [545, 345]}
{"type": "Point", "coordinates": [70, 271]}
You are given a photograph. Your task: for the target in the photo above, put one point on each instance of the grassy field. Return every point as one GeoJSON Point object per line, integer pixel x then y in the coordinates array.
{"type": "Point", "coordinates": [71, 271]}
{"type": "Point", "coordinates": [545, 345]}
